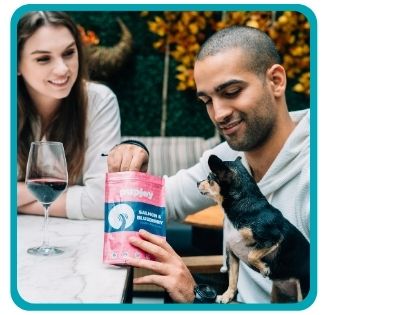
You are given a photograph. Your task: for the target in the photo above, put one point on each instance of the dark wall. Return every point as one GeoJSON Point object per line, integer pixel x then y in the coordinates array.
{"type": "Point", "coordinates": [138, 85]}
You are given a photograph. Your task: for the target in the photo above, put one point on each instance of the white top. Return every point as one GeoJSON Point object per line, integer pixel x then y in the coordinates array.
{"type": "Point", "coordinates": [286, 185]}
{"type": "Point", "coordinates": [85, 200]}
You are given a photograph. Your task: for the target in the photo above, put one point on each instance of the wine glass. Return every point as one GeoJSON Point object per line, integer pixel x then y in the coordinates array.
{"type": "Point", "coordinates": [46, 178]}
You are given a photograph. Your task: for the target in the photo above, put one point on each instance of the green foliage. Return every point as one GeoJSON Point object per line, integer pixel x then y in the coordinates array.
{"type": "Point", "coordinates": [138, 85]}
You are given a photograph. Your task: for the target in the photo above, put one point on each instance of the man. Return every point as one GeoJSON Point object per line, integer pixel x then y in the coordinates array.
{"type": "Point", "coordinates": [242, 84]}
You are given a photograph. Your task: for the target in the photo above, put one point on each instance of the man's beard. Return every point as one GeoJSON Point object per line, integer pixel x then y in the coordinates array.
{"type": "Point", "coordinates": [259, 124]}
{"type": "Point", "coordinates": [258, 131]}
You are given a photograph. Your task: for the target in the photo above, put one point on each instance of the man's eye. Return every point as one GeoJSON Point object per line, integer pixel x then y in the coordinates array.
{"type": "Point", "coordinates": [206, 101]}
{"type": "Point", "coordinates": [232, 93]}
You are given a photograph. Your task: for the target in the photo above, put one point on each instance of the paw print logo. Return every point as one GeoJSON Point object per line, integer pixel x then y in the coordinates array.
{"type": "Point", "coordinates": [121, 217]}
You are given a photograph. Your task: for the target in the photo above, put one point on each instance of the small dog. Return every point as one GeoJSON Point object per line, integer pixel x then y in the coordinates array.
{"type": "Point", "coordinates": [274, 246]}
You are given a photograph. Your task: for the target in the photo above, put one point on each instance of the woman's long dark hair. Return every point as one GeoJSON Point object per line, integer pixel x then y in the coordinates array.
{"type": "Point", "coordinates": [68, 125]}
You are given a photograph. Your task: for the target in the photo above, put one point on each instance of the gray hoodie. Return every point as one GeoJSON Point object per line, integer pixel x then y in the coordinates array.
{"type": "Point", "coordinates": [286, 186]}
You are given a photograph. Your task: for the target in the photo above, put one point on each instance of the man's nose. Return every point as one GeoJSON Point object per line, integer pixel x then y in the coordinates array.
{"type": "Point", "coordinates": [221, 111]}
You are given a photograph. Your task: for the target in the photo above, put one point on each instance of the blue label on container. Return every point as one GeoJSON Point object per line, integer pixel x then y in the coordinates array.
{"type": "Point", "coordinates": [133, 216]}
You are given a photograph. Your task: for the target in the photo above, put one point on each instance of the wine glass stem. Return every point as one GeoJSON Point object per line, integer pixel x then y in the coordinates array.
{"type": "Point", "coordinates": [45, 242]}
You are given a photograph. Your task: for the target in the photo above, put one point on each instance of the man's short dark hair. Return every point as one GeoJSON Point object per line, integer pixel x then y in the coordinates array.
{"type": "Point", "coordinates": [256, 44]}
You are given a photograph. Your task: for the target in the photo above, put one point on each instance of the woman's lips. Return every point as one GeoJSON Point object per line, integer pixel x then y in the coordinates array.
{"type": "Point", "coordinates": [231, 127]}
{"type": "Point", "coordinates": [59, 82]}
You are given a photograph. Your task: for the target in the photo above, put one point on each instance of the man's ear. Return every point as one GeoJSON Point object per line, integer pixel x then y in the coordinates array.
{"type": "Point", "coordinates": [277, 80]}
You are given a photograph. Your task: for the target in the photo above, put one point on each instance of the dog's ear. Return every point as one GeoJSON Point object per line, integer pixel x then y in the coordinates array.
{"type": "Point", "coordinates": [238, 159]}
{"type": "Point", "coordinates": [218, 167]}
{"type": "Point", "coordinates": [215, 163]}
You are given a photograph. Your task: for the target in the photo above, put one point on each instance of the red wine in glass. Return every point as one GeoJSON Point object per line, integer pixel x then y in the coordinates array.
{"type": "Point", "coordinates": [46, 178]}
{"type": "Point", "coordinates": [46, 190]}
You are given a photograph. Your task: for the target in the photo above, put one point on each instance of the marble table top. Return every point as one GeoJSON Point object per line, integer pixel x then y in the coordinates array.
{"type": "Point", "coordinates": [76, 276]}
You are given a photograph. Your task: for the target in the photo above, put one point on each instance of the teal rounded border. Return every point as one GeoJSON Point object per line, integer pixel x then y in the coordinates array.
{"type": "Point", "coordinates": [20, 302]}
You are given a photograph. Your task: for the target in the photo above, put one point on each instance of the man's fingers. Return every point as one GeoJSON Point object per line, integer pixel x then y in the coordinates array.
{"type": "Point", "coordinates": [152, 265]}
{"type": "Point", "coordinates": [179, 290]}
{"type": "Point", "coordinates": [145, 164]}
{"type": "Point", "coordinates": [161, 281]}
{"type": "Point", "coordinates": [155, 239]}
{"type": "Point", "coordinates": [114, 162]}
{"type": "Point", "coordinates": [149, 279]}
{"type": "Point", "coordinates": [124, 154]}
{"type": "Point", "coordinates": [126, 162]}
{"type": "Point", "coordinates": [139, 161]}
{"type": "Point", "coordinates": [150, 247]}
{"type": "Point", "coordinates": [127, 157]}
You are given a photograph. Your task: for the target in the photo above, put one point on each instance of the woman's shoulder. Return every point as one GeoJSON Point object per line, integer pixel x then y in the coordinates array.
{"type": "Point", "coordinates": [98, 90]}
{"type": "Point", "coordinates": [100, 95]}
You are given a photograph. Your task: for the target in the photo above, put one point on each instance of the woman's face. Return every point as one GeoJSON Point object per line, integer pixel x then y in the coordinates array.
{"type": "Point", "coordinates": [49, 64]}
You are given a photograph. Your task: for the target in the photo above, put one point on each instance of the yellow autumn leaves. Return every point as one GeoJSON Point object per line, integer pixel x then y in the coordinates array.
{"type": "Point", "coordinates": [184, 32]}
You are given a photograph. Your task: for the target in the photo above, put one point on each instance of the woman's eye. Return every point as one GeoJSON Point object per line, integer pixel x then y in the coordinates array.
{"type": "Point", "coordinates": [43, 59]}
{"type": "Point", "coordinates": [69, 53]}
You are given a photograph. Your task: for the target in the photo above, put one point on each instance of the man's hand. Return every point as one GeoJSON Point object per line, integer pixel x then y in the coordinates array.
{"type": "Point", "coordinates": [127, 157]}
{"type": "Point", "coordinates": [171, 272]}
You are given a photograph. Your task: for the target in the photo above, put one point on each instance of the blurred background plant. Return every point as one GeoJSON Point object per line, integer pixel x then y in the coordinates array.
{"type": "Point", "coordinates": [88, 36]}
{"type": "Point", "coordinates": [180, 35]}
{"type": "Point", "coordinates": [155, 86]}
{"type": "Point", "coordinates": [103, 61]}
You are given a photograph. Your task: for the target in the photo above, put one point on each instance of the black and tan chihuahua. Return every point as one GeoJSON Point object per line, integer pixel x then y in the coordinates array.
{"type": "Point", "coordinates": [275, 247]}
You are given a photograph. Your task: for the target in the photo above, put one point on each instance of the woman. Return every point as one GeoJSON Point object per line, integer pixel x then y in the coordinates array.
{"type": "Point", "coordinates": [57, 103]}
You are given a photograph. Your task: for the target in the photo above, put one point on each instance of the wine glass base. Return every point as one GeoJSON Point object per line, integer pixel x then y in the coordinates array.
{"type": "Point", "coordinates": [45, 251]}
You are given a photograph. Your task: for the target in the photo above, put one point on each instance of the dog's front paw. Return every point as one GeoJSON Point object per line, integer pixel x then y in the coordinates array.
{"type": "Point", "coordinates": [226, 297]}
